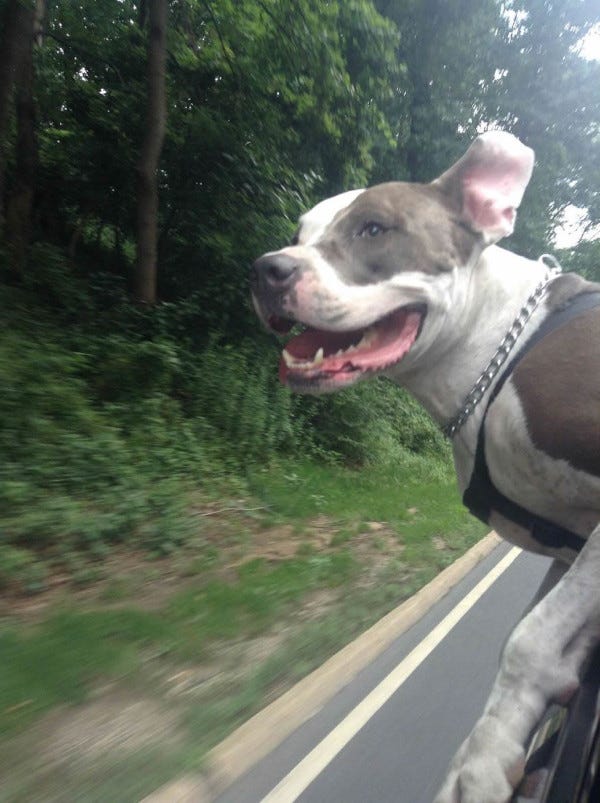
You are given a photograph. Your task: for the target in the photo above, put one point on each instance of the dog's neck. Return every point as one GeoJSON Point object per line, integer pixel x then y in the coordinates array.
{"type": "Point", "coordinates": [485, 302]}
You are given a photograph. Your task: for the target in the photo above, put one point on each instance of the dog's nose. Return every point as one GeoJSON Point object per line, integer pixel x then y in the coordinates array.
{"type": "Point", "coordinates": [277, 270]}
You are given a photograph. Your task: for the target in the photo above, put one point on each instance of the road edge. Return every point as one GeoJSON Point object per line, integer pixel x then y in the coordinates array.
{"type": "Point", "coordinates": [263, 732]}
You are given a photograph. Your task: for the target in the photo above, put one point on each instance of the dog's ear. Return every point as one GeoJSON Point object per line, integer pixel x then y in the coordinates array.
{"type": "Point", "coordinates": [488, 182]}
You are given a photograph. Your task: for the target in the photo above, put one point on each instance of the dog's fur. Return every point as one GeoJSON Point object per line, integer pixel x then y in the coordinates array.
{"type": "Point", "coordinates": [412, 269]}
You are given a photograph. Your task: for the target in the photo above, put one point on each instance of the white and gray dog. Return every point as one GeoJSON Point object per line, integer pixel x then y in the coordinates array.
{"type": "Point", "coordinates": [405, 280]}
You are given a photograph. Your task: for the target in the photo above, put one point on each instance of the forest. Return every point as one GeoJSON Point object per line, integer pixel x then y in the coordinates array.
{"type": "Point", "coordinates": [151, 150]}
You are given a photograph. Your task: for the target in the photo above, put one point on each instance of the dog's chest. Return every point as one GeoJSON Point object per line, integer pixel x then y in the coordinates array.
{"type": "Point", "coordinates": [543, 430]}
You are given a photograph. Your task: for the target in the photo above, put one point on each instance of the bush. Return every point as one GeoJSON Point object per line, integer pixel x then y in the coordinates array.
{"type": "Point", "coordinates": [236, 389]}
{"type": "Point", "coordinates": [374, 421]}
{"type": "Point", "coordinates": [80, 472]}
{"type": "Point", "coordinates": [19, 568]}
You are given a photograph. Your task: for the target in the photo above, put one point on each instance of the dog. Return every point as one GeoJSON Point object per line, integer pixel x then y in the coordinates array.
{"type": "Point", "coordinates": [405, 280]}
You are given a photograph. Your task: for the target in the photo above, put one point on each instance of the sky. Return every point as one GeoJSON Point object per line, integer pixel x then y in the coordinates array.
{"type": "Point", "coordinates": [590, 44]}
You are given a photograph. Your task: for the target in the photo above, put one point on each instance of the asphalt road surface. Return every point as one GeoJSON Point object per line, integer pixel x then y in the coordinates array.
{"type": "Point", "coordinates": [389, 735]}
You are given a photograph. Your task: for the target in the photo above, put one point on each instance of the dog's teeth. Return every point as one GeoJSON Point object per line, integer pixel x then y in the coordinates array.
{"type": "Point", "coordinates": [288, 359]}
{"type": "Point", "coordinates": [319, 357]}
{"type": "Point", "coordinates": [367, 339]}
{"type": "Point", "coordinates": [292, 362]}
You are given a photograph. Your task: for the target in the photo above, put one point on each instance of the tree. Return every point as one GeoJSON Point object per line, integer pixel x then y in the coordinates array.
{"type": "Point", "coordinates": [548, 96]}
{"type": "Point", "coordinates": [23, 24]}
{"type": "Point", "coordinates": [144, 280]}
{"type": "Point", "coordinates": [237, 121]}
{"type": "Point", "coordinates": [266, 118]}
{"type": "Point", "coordinates": [15, 47]}
{"type": "Point", "coordinates": [447, 49]}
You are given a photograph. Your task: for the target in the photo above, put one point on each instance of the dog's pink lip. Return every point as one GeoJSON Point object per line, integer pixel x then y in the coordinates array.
{"type": "Point", "coordinates": [346, 356]}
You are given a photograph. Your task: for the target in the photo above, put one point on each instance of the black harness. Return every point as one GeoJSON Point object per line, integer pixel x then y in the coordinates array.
{"type": "Point", "coordinates": [482, 497]}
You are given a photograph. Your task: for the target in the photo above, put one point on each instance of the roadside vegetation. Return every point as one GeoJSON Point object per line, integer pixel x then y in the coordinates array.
{"type": "Point", "coordinates": [180, 538]}
{"type": "Point", "coordinates": [136, 675]}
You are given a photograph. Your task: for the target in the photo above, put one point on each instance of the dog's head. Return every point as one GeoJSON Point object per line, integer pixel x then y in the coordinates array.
{"type": "Point", "coordinates": [370, 272]}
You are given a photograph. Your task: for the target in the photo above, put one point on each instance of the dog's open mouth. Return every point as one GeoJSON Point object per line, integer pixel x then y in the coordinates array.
{"type": "Point", "coordinates": [318, 360]}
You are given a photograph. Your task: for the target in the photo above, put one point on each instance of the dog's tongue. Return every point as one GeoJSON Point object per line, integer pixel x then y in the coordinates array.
{"type": "Point", "coordinates": [316, 351]}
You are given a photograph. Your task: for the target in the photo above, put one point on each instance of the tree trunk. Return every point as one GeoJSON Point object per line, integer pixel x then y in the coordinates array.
{"type": "Point", "coordinates": [144, 279]}
{"type": "Point", "coordinates": [20, 202]}
{"type": "Point", "coordinates": [15, 43]}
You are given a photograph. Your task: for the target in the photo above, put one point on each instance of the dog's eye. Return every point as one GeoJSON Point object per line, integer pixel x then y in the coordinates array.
{"type": "Point", "coordinates": [371, 229]}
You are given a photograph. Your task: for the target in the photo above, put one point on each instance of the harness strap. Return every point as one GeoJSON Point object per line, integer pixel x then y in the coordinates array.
{"type": "Point", "coordinates": [482, 497]}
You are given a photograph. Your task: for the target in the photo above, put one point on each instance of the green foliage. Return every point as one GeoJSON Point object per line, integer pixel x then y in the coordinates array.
{"type": "Point", "coordinates": [373, 422]}
{"type": "Point", "coordinates": [19, 567]}
{"type": "Point", "coordinates": [449, 57]}
{"type": "Point", "coordinates": [585, 259]}
{"type": "Point", "coordinates": [254, 412]}
{"type": "Point", "coordinates": [302, 489]}
{"type": "Point", "coordinates": [95, 449]}
{"type": "Point", "coordinates": [545, 93]}
{"type": "Point", "coordinates": [263, 118]}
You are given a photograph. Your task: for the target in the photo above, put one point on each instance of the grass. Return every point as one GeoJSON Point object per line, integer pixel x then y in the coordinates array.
{"type": "Point", "coordinates": [60, 659]}
{"type": "Point", "coordinates": [426, 505]}
{"type": "Point", "coordinates": [271, 586]}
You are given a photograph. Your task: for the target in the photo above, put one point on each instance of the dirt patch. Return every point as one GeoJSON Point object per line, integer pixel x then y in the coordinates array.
{"type": "Point", "coordinates": [274, 544]}
{"type": "Point", "coordinates": [233, 663]}
{"type": "Point", "coordinates": [316, 605]}
{"type": "Point", "coordinates": [112, 723]}
{"type": "Point", "coordinates": [76, 739]}
{"type": "Point", "coordinates": [78, 748]}
{"type": "Point", "coordinates": [282, 542]}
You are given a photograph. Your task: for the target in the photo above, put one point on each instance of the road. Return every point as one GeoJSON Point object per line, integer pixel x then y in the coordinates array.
{"type": "Point", "coordinates": [388, 736]}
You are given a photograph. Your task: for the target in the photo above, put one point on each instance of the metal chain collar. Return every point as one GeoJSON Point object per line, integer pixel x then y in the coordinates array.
{"type": "Point", "coordinates": [507, 344]}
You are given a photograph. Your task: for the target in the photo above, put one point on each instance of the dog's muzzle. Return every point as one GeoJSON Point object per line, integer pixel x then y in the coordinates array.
{"type": "Point", "coordinates": [275, 271]}
{"type": "Point", "coordinates": [271, 279]}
